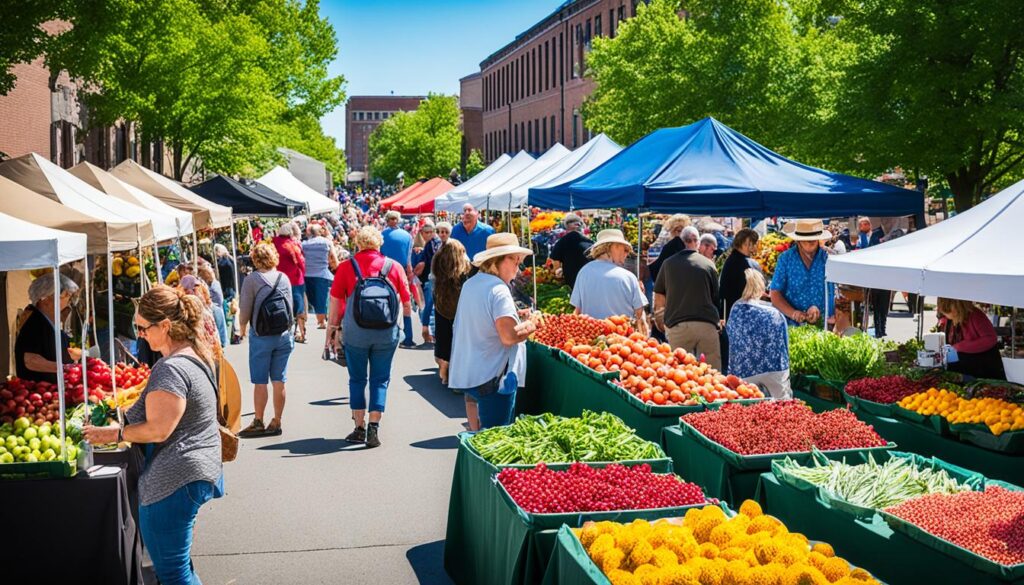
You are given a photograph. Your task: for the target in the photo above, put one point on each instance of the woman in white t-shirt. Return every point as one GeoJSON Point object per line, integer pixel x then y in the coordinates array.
{"type": "Point", "coordinates": [489, 343]}
{"type": "Point", "coordinates": [603, 287]}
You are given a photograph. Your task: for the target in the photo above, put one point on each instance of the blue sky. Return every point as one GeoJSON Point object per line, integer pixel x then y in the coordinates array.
{"type": "Point", "coordinates": [416, 47]}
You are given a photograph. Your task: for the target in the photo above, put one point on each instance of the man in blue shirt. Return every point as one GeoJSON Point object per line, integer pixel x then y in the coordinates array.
{"type": "Point", "coordinates": [880, 299]}
{"type": "Point", "coordinates": [472, 233]}
{"type": "Point", "coordinates": [398, 246]}
{"type": "Point", "coordinates": [798, 285]}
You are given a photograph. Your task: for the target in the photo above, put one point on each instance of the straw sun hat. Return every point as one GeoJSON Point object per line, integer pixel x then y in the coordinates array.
{"type": "Point", "coordinates": [806, 230]}
{"type": "Point", "coordinates": [501, 244]}
{"type": "Point", "coordinates": [605, 238]}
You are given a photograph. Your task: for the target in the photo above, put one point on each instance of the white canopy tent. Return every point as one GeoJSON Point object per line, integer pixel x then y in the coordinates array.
{"type": "Point", "coordinates": [484, 174]}
{"type": "Point", "coordinates": [26, 246]}
{"type": "Point", "coordinates": [287, 184]}
{"type": "Point", "coordinates": [501, 196]}
{"type": "Point", "coordinates": [477, 193]}
{"type": "Point", "coordinates": [206, 214]}
{"type": "Point", "coordinates": [958, 258]}
{"type": "Point", "coordinates": [581, 161]}
{"type": "Point", "coordinates": [115, 187]}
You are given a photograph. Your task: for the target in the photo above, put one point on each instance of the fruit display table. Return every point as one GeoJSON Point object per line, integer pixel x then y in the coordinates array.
{"type": "Point", "coordinates": [489, 539]}
{"type": "Point", "coordinates": [891, 556]}
{"type": "Point", "coordinates": [722, 474]}
{"type": "Point", "coordinates": [914, 438]}
{"type": "Point", "coordinates": [103, 543]}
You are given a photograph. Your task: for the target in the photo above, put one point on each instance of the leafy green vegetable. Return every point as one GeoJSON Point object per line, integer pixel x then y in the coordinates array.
{"type": "Point", "coordinates": [815, 351]}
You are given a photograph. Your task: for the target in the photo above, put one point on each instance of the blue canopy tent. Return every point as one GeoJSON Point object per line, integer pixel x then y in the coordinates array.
{"type": "Point", "coordinates": [708, 168]}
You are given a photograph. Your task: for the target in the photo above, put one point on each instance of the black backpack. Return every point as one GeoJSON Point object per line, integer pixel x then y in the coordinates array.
{"type": "Point", "coordinates": [375, 300]}
{"type": "Point", "coordinates": [275, 314]}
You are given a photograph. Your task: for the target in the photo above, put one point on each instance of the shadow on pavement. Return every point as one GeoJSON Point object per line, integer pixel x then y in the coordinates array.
{"type": "Point", "coordinates": [339, 401]}
{"type": "Point", "coordinates": [427, 561]}
{"type": "Point", "coordinates": [449, 442]}
{"type": "Point", "coordinates": [313, 446]}
{"type": "Point", "coordinates": [428, 385]}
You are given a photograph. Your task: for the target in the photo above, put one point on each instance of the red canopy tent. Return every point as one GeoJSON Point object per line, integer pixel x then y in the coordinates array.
{"type": "Point", "coordinates": [422, 201]}
{"type": "Point", "coordinates": [401, 195]}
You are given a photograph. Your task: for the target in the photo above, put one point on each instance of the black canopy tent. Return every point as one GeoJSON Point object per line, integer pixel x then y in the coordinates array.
{"type": "Point", "coordinates": [244, 199]}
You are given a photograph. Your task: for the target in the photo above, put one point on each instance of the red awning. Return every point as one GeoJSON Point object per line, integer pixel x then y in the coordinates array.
{"type": "Point", "coordinates": [401, 195]}
{"type": "Point", "coordinates": [423, 200]}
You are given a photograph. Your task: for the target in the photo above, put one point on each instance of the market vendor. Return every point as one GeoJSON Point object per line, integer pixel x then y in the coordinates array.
{"type": "Point", "coordinates": [972, 335]}
{"type": "Point", "coordinates": [798, 285]}
{"type": "Point", "coordinates": [35, 353]}
{"type": "Point", "coordinates": [605, 288]}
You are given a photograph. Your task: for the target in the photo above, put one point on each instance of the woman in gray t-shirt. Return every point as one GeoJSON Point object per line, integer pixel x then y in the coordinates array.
{"type": "Point", "coordinates": [175, 420]}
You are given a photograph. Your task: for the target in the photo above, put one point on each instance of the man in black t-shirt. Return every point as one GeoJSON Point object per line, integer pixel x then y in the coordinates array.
{"type": "Point", "coordinates": [570, 251]}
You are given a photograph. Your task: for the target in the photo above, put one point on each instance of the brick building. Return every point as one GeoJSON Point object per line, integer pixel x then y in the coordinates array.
{"type": "Point", "coordinates": [533, 87]}
{"type": "Point", "coordinates": [43, 114]}
{"type": "Point", "coordinates": [363, 113]}
{"type": "Point", "coordinates": [471, 101]}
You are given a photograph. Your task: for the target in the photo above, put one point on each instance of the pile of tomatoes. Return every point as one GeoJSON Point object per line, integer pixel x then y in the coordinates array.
{"type": "Point", "coordinates": [654, 373]}
{"type": "Point", "coordinates": [556, 330]}
{"type": "Point", "coordinates": [100, 376]}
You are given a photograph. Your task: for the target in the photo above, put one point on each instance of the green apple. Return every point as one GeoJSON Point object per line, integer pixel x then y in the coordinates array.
{"type": "Point", "coordinates": [49, 455]}
{"type": "Point", "coordinates": [32, 458]}
{"type": "Point", "coordinates": [12, 442]}
{"type": "Point", "coordinates": [30, 433]}
{"type": "Point", "coordinates": [22, 423]}
{"type": "Point", "coordinates": [72, 452]}
{"type": "Point", "coordinates": [34, 444]}
{"type": "Point", "coordinates": [22, 441]}
{"type": "Point", "coordinates": [45, 430]}
{"type": "Point", "coordinates": [6, 458]}
{"type": "Point", "coordinates": [3, 449]}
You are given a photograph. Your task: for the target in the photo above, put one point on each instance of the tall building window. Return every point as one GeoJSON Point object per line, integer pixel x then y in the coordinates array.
{"type": "Point", "coordinates": [597, 25]}
{"type": "Point", "coordinates": [575, 128]}
{"type": "Point", "coordinates": [535, 77]}
{"type": "Point", "coordinates": [611, 23]}
{"type": "Point", "coordinates": [554, 63]}
{"type": "Point", "coordinates": [586, 35]}
{"type": "Point", "coordinates": [635, 2]}
{"type": "Point", "coordinates": [554, 137]}
{"type": "Point", "coordinates": [561, 56]}
{"type": "Point", "coordinates": [522, 132]}
{"type": "Point", "coordinates": [577, 69]}
{"type": "Point", "coordinates": [504, 139]}
{"type": "Point", "coordinates": [622, 13]}
{"type": "Point", "coordinates": [547, 67]}
{"type": "Point", "coordinates": [544, 134]}
{"type": "Point", "coordinates": [536, 135]}
{"type": "Point", "coordinates": [517, 137]}
{"type": "Point", "coordinates": [529, 135]}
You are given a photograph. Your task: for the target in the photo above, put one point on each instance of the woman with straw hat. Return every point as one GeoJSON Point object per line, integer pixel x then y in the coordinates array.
{"type": "Point", "coordinates": [488, 349]}
{"type": "Point", "coordinates": [798, 285]}
{"type": "Point", "coordinates": [603, 287]}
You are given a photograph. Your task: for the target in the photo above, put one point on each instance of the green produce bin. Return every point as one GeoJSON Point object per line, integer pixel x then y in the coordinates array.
{"type": "Point", "coordinates": [868, 406]}
{"type": "Point", "coordinates": [889, 555]}
{"type": "Point", "coordinates": [487, 540]}
{"type": "Point", "coordinates": [723, 474]}
{"type": "Point", "coordinates": [816, 404]}
{"type": "Point", "coordinates": [570, 564]}
{"type": "Point", "coordinates": [914, 438]}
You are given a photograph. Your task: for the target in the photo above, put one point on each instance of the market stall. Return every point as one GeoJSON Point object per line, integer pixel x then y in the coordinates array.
{"type": "Point", "coordinates": [577, 163]}
{"type": "Point", "coordinates": [489, 538]}
{"type": "Point", "coordinates": [825, 500]}
{"type": "Point", "coordinates": [476, 190]}
{"type": "Point", "coordinates": [285, 183]}
{"type": "Point", "coordinates": [387, 202]}
{"type": "Point", "coordinates": [112, 553]}
{"type": "Point", "coordinates": [423, 200]}
{"type": "Point", "coordinates": [205, 214]}
{"type": "Point", "coordinates": [245, 201]}
{"type": "Point", "coordinates": [500, 196]}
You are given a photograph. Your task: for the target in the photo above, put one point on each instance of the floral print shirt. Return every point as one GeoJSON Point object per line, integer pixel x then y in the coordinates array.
{"type": "Point", "coordinates": [758, 339]}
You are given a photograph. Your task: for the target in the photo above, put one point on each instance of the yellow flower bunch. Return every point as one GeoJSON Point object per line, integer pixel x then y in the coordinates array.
{"type": "Point", "coordinates": [998, 415]}
{"type": "Point", "coordinates": [545, 221]}
{"type": "Point", "coordinates": [706, 547]}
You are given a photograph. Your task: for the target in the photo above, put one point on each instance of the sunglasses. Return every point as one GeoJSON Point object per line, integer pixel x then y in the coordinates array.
{"type": "Point", "coordinates": [141, 329]}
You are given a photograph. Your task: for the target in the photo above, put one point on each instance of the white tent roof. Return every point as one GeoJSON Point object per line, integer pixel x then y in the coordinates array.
{"type": "Point", "coordinates": [478, 192]}
{"type": "Point", "coordinates": [287, 184]}
{"type": "Point", "coordinates": [501, 197]}
{"type": "Point", "coordinates": [581, 161]}
{"type": "Point", "coordinates": [111, 185]}
{"type": "Point", "coordinates": [484, 174]}
{"type": "Point", "coordinates": [25, 246]}
{"type": "Point", "coordinates": [42, 176]}
{"type": "Point", "coordinates": [165, 226]}
{"type": "Point", "coordinates": [205, 214]}
{"type": "Point", "coordinates": [958, 258]}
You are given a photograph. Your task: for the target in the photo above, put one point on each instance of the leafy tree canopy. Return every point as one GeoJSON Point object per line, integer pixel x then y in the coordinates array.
{"type": "Point", "coordinates": [474, 163]}
{"type": "Point", "coordinates": [423, 143]}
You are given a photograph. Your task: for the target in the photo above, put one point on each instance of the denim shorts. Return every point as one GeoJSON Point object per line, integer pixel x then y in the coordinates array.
{"type": "Point", "coordinates": [268, 357]}
{"type": "Point", "coordinates": [298, 299]}
{"type": "Point", "coordinates": [316, 292]}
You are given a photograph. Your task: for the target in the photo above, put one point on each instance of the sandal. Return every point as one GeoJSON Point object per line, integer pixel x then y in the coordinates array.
{"type": "Point", "coordinates": [255, 429]}
{"type": "Point", "coordinates": [273, 429]}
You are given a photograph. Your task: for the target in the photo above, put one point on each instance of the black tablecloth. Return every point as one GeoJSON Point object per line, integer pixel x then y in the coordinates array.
{"type": "Point", "coordinates": [77, 530]}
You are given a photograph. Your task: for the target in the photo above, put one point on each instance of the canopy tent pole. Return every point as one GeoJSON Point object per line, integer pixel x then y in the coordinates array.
{"type": "Point", "coordinates": [824, 315]}
{"type": "Point", "coordinates": [156, 262]}
{"type": "Point", "coordinates": [920, 318]}
{"type": "Point", "coordinates": [234, 256]}
{"type": "Point", "coordinates": [110, 322]}
{"type": "Point", "coordinates": [85, 337]}
{"type": "Point", "coordinates": [60, 363]}
{"type": "Point", "coordinates": [143, 279]}
{"type": "Point", "coordinates": [639, 239]}
{"type": "Point", "coordinates": [195, 250]}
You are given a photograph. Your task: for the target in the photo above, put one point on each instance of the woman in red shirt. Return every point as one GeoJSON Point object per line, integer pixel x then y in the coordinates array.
{"type": "Point", "coordinates": [368, 352]}
{"type": "Point", "coordinates": [293, 265]}
{"type": "Point", "coordinates": [972, 335]}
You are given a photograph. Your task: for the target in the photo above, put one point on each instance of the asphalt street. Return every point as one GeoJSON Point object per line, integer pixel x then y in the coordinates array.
{"type": "Point", "coordinates": [308, 508]}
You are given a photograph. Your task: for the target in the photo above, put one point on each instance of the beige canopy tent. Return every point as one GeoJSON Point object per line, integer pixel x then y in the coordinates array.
{"type": "Point", "coordinates": [49, 180]}
{"type": "Point", "coordinates": [205, 214]}
{"type": "Point", "coordinates": [111, 185]}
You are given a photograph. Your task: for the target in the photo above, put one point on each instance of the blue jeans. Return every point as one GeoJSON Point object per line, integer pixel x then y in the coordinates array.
{"type": "Point", "coordinates": [378, 356]}
{"type": "Point", "coordinates": [268, 357]}
{"type": "Point", "coordinates": [427, 314]}
{"type": "Point", "coordinates": [222, 325]}
{"type": "Point", "coordinates": [495, 409]}
{"type": "Point", "coordinates": [166, 528]}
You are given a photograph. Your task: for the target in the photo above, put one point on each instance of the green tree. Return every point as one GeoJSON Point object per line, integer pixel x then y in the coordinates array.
{"type": "Point", "coordinates": [737, 60]}
{"type": "Point", "coordinates": [474, 163]}
{"type": "Point", "coordinates": [22, 37]}
{"type": "Point", "coordinates": [935, 87]}
{"type": "Point", "coordinates": [216, 81]}
{"type": "Point", "coordinates": [424, 143]}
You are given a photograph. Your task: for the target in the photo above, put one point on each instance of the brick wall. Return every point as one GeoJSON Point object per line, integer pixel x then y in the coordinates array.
{"type": "Point", "coordinates": [362, 116]}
